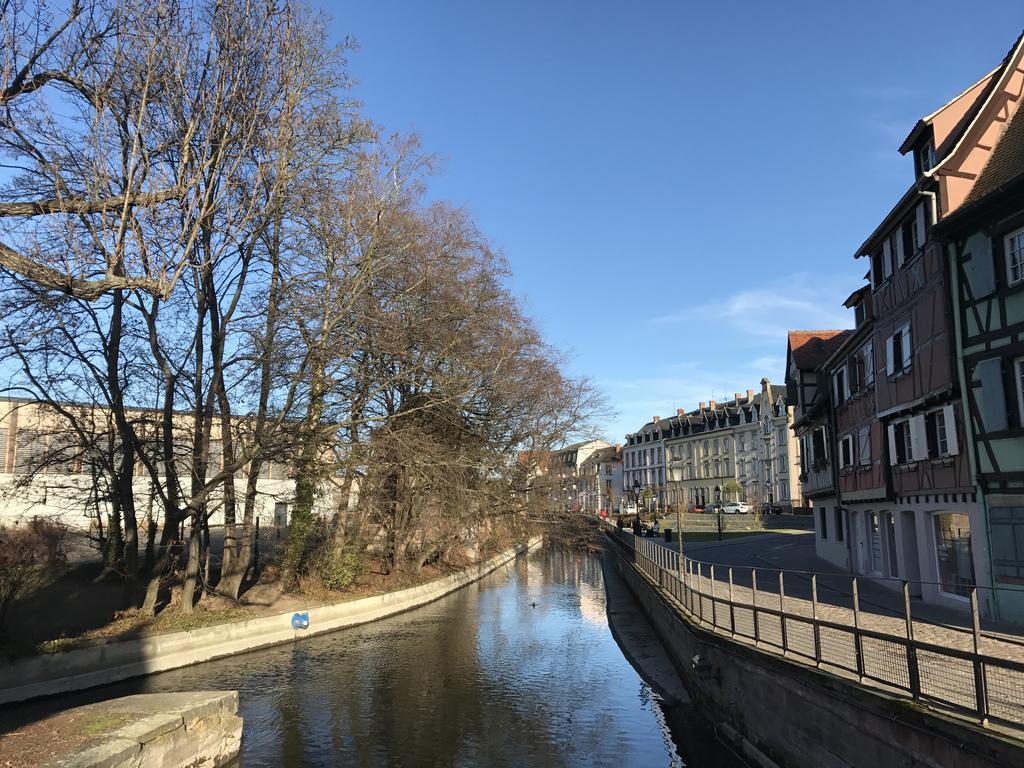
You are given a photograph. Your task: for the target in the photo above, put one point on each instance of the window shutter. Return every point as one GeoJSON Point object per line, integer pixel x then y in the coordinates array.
{"type": "Point", "coordinates": [899, 246]}
{"type": "Point", "coordinates": [871, 268]}
{"type": "Point", "coordinates": [993, 397]}
{"type": "Point", "coordinates": [889, 362]}
{"type": "Point", "coordinates": [921, 223]}
{"type": "Point", "coordinates": [906, 349]}
{"type": "Point", "coordinates": [864, 447]}
{"type": "Point", "coordinates": [918, 439]}
{"type": "Point", "coordinates": [892, 445]}
{"type": "Point", "coordinates": [980, 268]}
{"type": "Point", "coordinates": [949, 416]}
{"type": "Point", "coordinates": [886, 258]}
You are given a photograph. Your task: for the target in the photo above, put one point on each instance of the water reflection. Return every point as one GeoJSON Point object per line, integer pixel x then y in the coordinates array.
{"type": "Point", "coordinates": [519, 670]}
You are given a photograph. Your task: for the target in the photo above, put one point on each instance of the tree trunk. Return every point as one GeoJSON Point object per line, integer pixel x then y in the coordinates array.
{"type": "Point", "coordinates": [188, 586]}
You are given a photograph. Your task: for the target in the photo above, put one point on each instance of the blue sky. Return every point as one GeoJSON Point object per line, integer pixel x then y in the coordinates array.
{"type": "Point", "coordinates": [675, 184]}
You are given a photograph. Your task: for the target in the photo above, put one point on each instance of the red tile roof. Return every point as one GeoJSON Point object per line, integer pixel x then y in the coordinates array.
{"type": "Point", "coordinates": [811, 348]}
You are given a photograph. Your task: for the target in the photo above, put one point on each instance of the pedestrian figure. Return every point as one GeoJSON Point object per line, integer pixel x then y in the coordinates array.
{"type": "Point", "coordinates": [638, 528]}
{"type": "Point", "coordinates": [621, 523]}
{"type": "Point", "coordinates": [657, 527]}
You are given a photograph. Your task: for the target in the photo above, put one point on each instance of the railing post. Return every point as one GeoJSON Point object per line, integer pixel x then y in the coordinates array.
{"type": "Point", "coordinates": [753, 595]}
{"type": "Point", "coordinates": [714, 607]}
{"type": "Point", "coordinates": [980, 693]}
{"type": "Point", "coordinates": [814, 620]}
{"type": "Point", "coordinates": [857, 644]}
{"type": "Point", "coordinates": [732, 611]}
{"type": "Point", "coordinates": [697, 591]}
{"type": "Point", "coordinates": [913, 674]}
{"type": "Point", "coordinates": [782, 609]}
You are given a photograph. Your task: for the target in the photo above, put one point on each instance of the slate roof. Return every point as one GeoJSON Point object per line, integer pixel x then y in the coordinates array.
{"type": "Point", "coordinates": [812, 348]}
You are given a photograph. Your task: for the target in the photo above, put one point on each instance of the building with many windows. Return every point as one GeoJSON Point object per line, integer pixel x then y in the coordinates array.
{"type": "Point", "coordinates": [737, 450]}
{"type": "Point", "coordinates": [916, 385]}
{"type": "Point", "coordinates": [984, 243]}
{"type": "Point", "coordinates": [807, 387]}
{"type": "Point", "coordinates": [600, 477]}
{"type": "Point", "coordinates": [643, 465]}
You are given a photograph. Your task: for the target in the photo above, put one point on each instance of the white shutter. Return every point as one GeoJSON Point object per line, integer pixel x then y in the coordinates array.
{"type": "Point", "coordinates": [889, 363]}
{"type": "Point", "coordinates": [920, 224]}
{"type": "Point", "coordinates": [918, 439]}
{"type": "Point", "coordinates": [892, 445]}
{"type": "Point", "coordinates": [899, 247]}
{"type": "Point", "coordinates": [871, 269]}
{"type": "Point", "coordinates": [907, 351]}
{"type": "Point", "coordinates": [949, 417]}
{"type": "Point", "coordinates": [864, 446]}
{"type": "Point", "coordinates": [886, 258]}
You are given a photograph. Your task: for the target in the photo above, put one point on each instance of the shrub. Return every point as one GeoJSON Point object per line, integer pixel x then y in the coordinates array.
{"type": "Point", "coordinates": [338, 570]}
{"type": "Point", "coordinates": [29, 554]}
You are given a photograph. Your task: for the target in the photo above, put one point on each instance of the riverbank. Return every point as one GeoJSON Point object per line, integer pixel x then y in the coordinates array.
{"type": "Point", "coordinates": [174, 730]}
{"type": "Point", "coordinates": [106, 662]}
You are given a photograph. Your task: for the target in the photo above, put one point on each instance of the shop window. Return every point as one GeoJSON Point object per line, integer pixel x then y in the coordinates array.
{"type": "Point", "coordinates": [1007, 544]}
{"type": "Point", "coordinates": [953, 553]}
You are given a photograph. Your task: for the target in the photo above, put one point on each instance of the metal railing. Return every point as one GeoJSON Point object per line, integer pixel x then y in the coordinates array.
{"type": "Point", "coordinates": [963, 680]}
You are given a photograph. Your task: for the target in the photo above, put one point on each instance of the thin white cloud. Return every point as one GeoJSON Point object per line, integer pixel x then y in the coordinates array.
{"type": "Point", "coordinates": [799, 301]}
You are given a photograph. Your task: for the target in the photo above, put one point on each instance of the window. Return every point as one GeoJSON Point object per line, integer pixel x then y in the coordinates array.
{"type": "Point", "coordinates": [818, 450]}
{"type": "Point", "coordinates": [900, 442]}
{"type": "Point", "coordinates": [1007, 544]}
{"type": "Point", "coordinates": [839, 524]}
{"type": "Point", "coordinates": [953, 551]}
{"type": "Point", "coordinates": [846, 452]}
{"type": "Point", "coordinates": [926, 157]}
{"type": "Point", "coordinates": [877, 270]}
{"type": "Point", "coordinates": [823, 522]}
{"type": "Point", "coordinates": [898, 352]}
{"type": "Point", "coordinates": [780, 438]}
{"type": "Point", "coordinates": [1014, 245]}
{"type": "Point", "coordinates": [896, 246]}
{"type": "Point", "coordinates": [935, 429]}
{"type": "Point", "coordinates": [868, 365]}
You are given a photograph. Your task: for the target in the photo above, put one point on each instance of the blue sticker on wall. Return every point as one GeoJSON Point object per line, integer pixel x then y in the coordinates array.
{"type": "Point", "coordinates": [300, 621]}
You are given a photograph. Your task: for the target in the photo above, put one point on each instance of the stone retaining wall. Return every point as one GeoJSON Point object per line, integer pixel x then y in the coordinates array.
{"type": "Point", "coordinates": [198, 729]}
{"type": "Point", "coordinates": [47, 674]}
{"type": "Point", "coordinates": [804, 717]}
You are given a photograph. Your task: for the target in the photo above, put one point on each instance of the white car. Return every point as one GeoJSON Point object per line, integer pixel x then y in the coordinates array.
{"type": "Point", "coordinates": [736, 508]}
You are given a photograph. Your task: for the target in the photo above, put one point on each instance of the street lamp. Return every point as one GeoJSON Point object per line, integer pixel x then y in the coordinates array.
{"type": "Point", "coordinates": [718, 509]}
{"type": "Point", "coordinates": [636, 495]}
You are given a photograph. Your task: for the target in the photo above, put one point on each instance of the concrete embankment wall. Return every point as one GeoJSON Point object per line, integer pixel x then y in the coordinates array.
{"type": "Point", "coordinates": [802, 717]}
{"type": "Point", "coordinates": [80, 668]}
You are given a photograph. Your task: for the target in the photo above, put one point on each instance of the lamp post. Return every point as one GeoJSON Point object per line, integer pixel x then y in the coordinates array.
{"type": "Point", "coordinates": [718, 509]}
{"type": "Point", "coordinates": [636, 496]}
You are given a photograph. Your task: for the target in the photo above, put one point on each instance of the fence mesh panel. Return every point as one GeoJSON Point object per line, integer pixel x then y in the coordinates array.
{"type": "Point", "coordinates": [770, 628]}
{"type": "Point", "coordinates": [1005, 693]}
{"type": "Point", "coordinates": [744, 621]}
{"type": "Point", "coordinates": [946, 679]}
{"type": "Point", "coordinates": [886, 661]}
{"type": "Point", "coordinates": [838, 648]}
{"type": "Point", "coordinates": [800, 636]}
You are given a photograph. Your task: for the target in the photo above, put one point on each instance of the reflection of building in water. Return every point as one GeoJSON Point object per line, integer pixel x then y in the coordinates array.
{"type": "Point", "coordinates": [592, 605]}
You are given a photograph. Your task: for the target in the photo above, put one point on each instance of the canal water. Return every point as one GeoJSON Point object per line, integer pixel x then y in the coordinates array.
{"type": "Point", "coordinates": [519, 669]}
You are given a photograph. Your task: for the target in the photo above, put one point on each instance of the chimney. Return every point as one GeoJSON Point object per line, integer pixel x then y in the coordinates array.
{"type": "Point", "coordinates": [656, 419]}
{"type": "Point", "coordinates": [680, 412]}
{"type": "Point", "coordinates": [711, 405]}
{"type": "Point", "coordinates": [702, 406]}
{"type": "Point", "coordinates": [737, 396]}
{"type": "Point", "coordinates": [750, 394]}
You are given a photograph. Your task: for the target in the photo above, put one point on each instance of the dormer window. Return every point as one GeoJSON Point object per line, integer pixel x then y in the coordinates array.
{"type": "Point", "coordinates": [859, 313]}
{"type": "Point", "coordinates": [926, 157]}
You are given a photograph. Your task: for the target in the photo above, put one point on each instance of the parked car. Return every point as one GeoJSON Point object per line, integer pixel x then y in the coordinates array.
{"type": "Point", "coordinates": [713, 508]}
{"type": "Point", "coordinates": [736, 508]}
